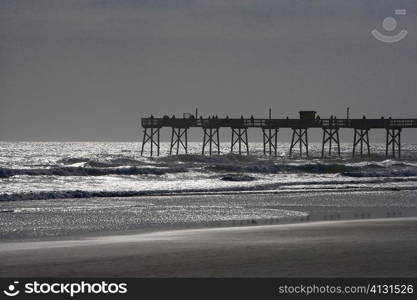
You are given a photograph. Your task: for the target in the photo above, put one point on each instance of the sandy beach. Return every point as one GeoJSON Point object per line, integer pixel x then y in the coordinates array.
{"type": "Point", "coordinates": [379, 247]}
{"type": "Point", "coordinates": [259, 140]}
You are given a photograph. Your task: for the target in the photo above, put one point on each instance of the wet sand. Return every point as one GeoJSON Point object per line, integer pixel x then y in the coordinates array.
{"type": "Point", "coordinates": [359, 248]}
{"type": "Point", "coordinates": [68, 218]}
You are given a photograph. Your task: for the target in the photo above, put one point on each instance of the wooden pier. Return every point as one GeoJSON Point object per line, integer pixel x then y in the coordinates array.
{"type": "Point", "coordinates": [270, 128]}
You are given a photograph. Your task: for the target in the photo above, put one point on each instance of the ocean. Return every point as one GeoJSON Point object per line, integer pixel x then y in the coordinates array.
{"type": "Point", "coordinates": [81, 187]}
{"type": "Point", "coordinates": [48, 170]}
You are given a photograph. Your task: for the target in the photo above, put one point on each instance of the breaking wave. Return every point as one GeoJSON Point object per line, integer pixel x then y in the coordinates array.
{"type": "Point", "coordinates": [230, 163]}
{"type": "Point", "coordinates": [287, 187]}
{"type": "Point", "coordinates": [281, 168]}
{"type": "Point", "coordinates": [87, 171]}
{"type": "Point", "coordinates": [105, 163]}
{"type": "Point", "coordinates": [382, 173]}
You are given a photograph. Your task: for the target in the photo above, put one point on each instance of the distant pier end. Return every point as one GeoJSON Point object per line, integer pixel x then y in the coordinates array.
{"type": "Point", "coordinates": [270, 129]}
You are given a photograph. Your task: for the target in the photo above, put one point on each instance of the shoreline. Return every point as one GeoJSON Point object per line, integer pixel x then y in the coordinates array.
{"type": "Point", "coordinates": [183, 227]}
{"type": "Point", "coordinates": [265, 250]}
{"type": "Point", "coordinates": [256, 190]}
{"type": "Point", "coordinates": [118, 235]}
{"type": "Point", "coordinates": [282, 209]}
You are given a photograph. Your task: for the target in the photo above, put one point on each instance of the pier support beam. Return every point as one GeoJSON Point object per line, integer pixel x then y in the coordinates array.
{"type": "Point", "coordinates": [239, 137]}
{"type": "Point", "coordinates": [179, 139]}
{"type": "Point", "coordinates": [299, 136]}
{"type": "Point", "coordinates": [211, 137]}
{"type": "Point", "coordinates": [330, 135]}
{"type": "Point", "coordinates": [393, 140]}
{"type": "Point", "coordinates": [361, 139]}
{"type": "Point", "coordinates": [152, 137]}
{"type": "Point", "coordinates": [270, 138]}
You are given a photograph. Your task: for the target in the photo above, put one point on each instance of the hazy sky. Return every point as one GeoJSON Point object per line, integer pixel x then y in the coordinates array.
{"type": "Point", "coordinates": [88, 69]}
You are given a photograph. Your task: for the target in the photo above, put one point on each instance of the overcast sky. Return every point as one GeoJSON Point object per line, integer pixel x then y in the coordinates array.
{"type": "Point", "coordinates": [88, 69]}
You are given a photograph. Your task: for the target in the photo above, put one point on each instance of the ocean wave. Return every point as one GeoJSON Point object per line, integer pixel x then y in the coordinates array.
{"type": "Point", "coordinates": [118, 161]}
{"type": "Point", "coordinates": [287, 187]}
{"type": "Point", "coordinates": [86, 171]}
{"type": "Point", "coordinates": [230, 158]}
{"type": "Point", "coordinates": [237, 177]}
{"type": "Point", "coordinates": [281, 168]}
{"type": "Point", "coordinates": [382, 173]}
{"type": "Point", "coordinates": [388, 163]}
{"type": "Point", "coordinates": [233, 163]}
{"type": "Point", "coordinates": [229, 163]}
{"type": "Point", "coordinates": [69, 194]}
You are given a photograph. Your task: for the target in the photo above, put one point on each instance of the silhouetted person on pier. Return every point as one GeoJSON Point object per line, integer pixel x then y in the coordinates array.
{"type": "Point", "coordinates": [173, 117]}
{"type": "Point", "coordinates": [252, 119]}
{"type": "Point", "coordinates": [151, 116]}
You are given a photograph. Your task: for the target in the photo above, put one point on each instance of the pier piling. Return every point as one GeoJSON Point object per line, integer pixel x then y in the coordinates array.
{"type": "Point", "coordinates": [153, 137]}
{"type": "Point", "coordinates": [179, 138]}
{"type": "Point", "coordinates": [270, 140]}
{"type": "Point", "coordinates": [239, 137]}
{"type": "Point", "coordinates": [211, 137]}
{"type": "Point", "coordinates": [361, 139]}
{"type": "Point", "coordinates": [300, 137]}
{"type": "Point", "coordinates": [393, 139]}
{"type": "Point", "coordinates": [330, 135]}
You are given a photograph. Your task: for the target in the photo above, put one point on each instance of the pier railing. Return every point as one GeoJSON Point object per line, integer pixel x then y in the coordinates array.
{"type": "Point", "coordinates": [277, 123]}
